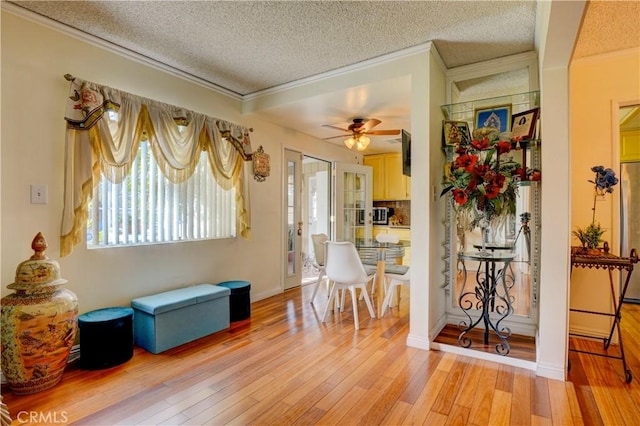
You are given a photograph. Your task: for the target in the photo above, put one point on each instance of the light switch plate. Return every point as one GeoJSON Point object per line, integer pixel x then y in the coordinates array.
{"type": "Point", "coordinates": [39, 194]}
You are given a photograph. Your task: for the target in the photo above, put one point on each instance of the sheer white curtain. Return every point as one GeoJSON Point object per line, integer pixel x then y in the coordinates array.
{"type": "Point", "coordinates": [97, 146]}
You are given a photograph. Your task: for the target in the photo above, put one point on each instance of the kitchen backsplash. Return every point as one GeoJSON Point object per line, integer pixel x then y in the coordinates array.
{"type": "Point", "coordinates": [401, 210]}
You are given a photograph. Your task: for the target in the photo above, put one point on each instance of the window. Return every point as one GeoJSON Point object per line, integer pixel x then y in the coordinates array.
{"type": "Point", "coordinates": [113, 131]}
{"type": "Point", "coordinates": [146, 208]}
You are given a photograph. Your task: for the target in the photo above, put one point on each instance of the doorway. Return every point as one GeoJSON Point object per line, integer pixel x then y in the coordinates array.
{"type": "Point", "coordinates": [629, 177]}
{"type": "Point", "coordinates": [316, 210]}
{"type": "Point", "coordinates": [293, 219]}
{"type": "Point", "coordinates": [307, 189]}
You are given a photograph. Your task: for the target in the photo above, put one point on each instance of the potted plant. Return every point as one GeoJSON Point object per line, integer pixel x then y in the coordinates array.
{"type": "Point", "coordinates": [590, 237]}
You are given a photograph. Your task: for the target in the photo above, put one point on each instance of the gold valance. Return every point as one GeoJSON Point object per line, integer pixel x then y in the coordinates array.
{"type": "Point", "coordinates": [104, 129]}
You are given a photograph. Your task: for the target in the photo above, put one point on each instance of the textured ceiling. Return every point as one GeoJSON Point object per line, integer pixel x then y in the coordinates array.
{"type": "Point", "coordinates": [608, 26]}
{"type": "Point", "coordinates": [248, 46]}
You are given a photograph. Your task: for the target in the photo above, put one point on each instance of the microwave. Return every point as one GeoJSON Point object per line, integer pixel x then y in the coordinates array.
{"type": "Point", "coordinates": [381, 215]}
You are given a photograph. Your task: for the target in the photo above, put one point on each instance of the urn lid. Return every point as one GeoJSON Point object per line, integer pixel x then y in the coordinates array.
{"type": "Point", "coordinates": [38, 274]}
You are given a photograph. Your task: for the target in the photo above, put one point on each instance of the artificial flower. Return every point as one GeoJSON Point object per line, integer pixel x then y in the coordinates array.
{"type": "Point", "coordinates": [605, 179]}
{"type": "Point", "coordinates": [459, 196]}
{"type": "Point", "coordinates": [481, 144]}
{"type": "Point", "coordinates": [503, 147]}
{"type": "Point", "coordinates": [466, 161]}
{"type": "Point", "coordinates": [483, 179]}
{"type": "Point", "coordinates": [604, 182]}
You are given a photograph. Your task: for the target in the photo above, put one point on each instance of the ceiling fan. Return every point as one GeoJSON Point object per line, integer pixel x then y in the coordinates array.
{"type": "Point", "coordinates": [358, 131]}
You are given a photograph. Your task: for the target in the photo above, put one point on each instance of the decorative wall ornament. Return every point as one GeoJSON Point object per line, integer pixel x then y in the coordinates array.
{"type": "Point", "coordinates": [261, 167]}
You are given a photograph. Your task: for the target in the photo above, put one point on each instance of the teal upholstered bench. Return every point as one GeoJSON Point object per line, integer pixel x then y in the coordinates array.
{"type": "Point", "coordinates": [165, 320]}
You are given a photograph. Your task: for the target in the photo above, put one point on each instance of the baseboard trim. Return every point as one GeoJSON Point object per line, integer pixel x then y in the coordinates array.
{"type": "Point", "coordinates": [514, 362]}
{"type": "Point", "coordinates": [551, 372]}
{"type": "Point", "coordinates": [419, 342]}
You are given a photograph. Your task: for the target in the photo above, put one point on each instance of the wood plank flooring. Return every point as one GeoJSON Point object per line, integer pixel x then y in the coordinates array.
{"type": "Point", "coordinates": [285, 367]}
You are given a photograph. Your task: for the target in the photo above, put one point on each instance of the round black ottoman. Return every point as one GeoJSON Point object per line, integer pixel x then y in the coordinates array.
{"type": "Point", "coordinates": [239, 300]}
{"type": "Point", "coordinates": [106, 337]}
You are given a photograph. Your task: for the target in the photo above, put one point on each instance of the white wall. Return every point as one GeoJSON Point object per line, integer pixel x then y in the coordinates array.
{"type": "Point", "coordinates": [598, 84]}
{"type": "Point", "coordinates": [431, 197]}
{"type": "Point", "coordinates": [557, 28]}
{"type": "Point", "coordinates": [34, 59]}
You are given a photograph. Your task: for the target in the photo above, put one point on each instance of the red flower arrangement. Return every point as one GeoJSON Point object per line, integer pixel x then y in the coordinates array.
{"type": "Point", "coordinates": [483, 179]}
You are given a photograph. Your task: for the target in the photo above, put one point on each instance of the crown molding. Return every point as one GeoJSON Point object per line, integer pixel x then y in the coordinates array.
{"type": "Point", "coordinates": [369, 63]}
{"type": "Point", "coordinates": [606, 55]}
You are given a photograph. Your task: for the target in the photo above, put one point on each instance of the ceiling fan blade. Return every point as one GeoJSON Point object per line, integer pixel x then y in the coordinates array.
{"type": "Point", "coordinates": [370, 124]}
{"type": "Point", "coordinates": [384, 132]}
{"type": "Point", "coordinates": [334, 137]}
{"type": "Point", "coordinates": [337, 128]}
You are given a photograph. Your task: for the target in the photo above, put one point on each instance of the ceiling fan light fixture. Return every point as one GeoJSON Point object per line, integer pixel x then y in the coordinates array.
{"type": "Point", "coordinates": [349, 142]}
{"type": "Point", "coordinates": [362, 143]}
{"type": "Point", "coordinates": [358, 129]}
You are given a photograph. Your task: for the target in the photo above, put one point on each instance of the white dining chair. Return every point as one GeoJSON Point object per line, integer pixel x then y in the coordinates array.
{"type": "Point", "coordinates": [393, 281]}
{"type": "Point", "coordinates": [319, 251]}
{"type": "Point", "coordinates": [345, 271]}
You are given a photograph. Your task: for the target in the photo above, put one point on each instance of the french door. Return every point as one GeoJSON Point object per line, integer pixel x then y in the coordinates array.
{"type": "Point", "coordinates": [293, 220]}
{"type": "Point", "coordinates": [354, 202]}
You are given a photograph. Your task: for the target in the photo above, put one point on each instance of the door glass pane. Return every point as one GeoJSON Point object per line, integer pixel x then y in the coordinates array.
{"type": "Point", "coordinates": [291, 222]}
{"type": "Point", "coordinates": [354, 208]}
{"type": "Point", "coordinates": [316, 209]}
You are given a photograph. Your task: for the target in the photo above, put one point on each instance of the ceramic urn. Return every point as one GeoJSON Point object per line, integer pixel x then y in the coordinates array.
{"type": "Point", "coordinates": [39, 324]}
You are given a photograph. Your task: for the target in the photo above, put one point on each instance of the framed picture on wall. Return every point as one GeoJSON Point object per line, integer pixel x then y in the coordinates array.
{"type": "Point", "coordinates": [497, 117]}
{"type": "Point", "coordinates": [523, 124]}
{"type": "Point", "coordinates": [455, 132]}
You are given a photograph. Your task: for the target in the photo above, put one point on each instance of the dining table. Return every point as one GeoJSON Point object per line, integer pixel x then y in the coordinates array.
{"type": "Point", "coordinates": [387, 257]}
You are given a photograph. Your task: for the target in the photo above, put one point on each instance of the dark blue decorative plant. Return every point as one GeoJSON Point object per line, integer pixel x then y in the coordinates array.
{"type": "Point", "coordinates": [604, 181]}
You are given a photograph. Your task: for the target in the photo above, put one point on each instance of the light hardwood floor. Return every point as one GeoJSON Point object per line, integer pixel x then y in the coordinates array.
{"type": "Point", "coordinates": [285, 367]}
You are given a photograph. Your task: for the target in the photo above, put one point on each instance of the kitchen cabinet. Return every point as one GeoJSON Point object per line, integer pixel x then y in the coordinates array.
{"type": "Point", "coordinates": [388, 181]}
{"type": "Point", "coordinates": [377, 164]}
{"type": "Point", "coordinates": [629, 147]}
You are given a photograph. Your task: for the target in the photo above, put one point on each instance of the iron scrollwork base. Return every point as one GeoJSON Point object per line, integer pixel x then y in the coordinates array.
{"type": "Point", "coordinates": [490, 295]}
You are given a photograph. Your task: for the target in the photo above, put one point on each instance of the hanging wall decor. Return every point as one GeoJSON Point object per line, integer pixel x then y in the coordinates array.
{"type": "Point", "coordinates": [261, 167]}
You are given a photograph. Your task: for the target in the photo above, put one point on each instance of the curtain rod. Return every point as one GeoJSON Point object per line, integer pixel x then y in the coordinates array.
{"type": "Point", "coordinates": [69, 77]}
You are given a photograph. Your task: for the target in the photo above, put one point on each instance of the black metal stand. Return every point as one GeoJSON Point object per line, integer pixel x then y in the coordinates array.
{"type": "Point", "coordinates": [485, 295]}
{"type": "Point", "coordinates": [524, 229]}
{"type": "Point", "coordinates": [609, 262]}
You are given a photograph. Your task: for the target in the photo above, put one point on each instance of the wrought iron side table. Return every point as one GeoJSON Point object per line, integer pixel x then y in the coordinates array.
{"type": "Point", "coordinates": [484, 296]}
{"type": "Point", "coordinates": [609, 262]}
